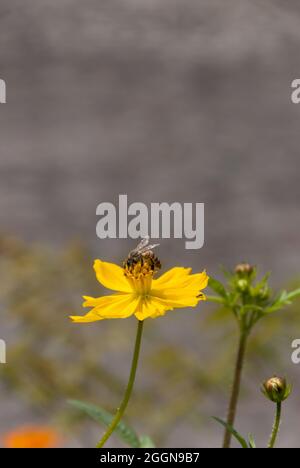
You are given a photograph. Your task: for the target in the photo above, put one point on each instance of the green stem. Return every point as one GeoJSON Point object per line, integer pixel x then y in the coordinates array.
{"type": "Point", "coordinates": [275, 426]}
{"type": "Point", "coordinates": [235, 388]}
{"type": "Point", "coordinates": [121, 410]}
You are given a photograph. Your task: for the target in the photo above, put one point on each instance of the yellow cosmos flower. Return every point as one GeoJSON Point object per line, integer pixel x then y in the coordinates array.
{"type": "Point", "coordinates": [138, 293]}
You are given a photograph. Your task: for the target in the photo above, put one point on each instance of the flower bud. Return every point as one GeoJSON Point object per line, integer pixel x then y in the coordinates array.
{"type": "Point", "coordinates": [276, 389]}
{"type": "Point", "coordinates": [244, 269]}
{"type": "Point", "coordinates": [242, 285]}
{"type": "Point", "coordinates": [264, 293]}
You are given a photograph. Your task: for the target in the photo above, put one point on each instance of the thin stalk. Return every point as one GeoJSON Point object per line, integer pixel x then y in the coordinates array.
{"type": "Point", "coordinates": [275, 426]}
{"type": "Point", "coordinates": [235, 388]}
{"type": "Point", "coordinates": [121, 410]}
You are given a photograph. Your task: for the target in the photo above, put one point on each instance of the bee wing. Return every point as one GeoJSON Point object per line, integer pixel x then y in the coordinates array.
{"type": "Point", "coordinates": [148, 248]}
{"type": "Point", "coordinates": [141, 246]}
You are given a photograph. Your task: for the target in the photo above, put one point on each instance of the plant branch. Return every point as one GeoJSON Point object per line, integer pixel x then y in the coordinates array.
{"type": "Point", "coordinates": [121, 410]}
{"type": "Point", "coordinates": [275, 426]}
{"type": "Point", "coordinates": [235, 388]}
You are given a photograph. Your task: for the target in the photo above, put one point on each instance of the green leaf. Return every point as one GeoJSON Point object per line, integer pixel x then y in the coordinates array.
{"type": "Point", "coordinates": [125, 433]}
{"type": "Point", "coordinates": [253, 308]}
{"type": "Point", "coordinates": [235, 433]}
{"type": "Point", "coordinates": [293, 294]}
{"type": "Point", "coordinates": [215, 299]}
{"type": "Point", "coordinates": [282, 300]}
{"type": "Point", "coordinates": [228, 274]}
{"type": "Point", "coordinates": [252, 443]}
{"type": "Point", "coordinates": [146, 442]}
{"type": "Point", "coordinates": [217, 286]}
{"type": "Point", "coordinates": [261, 284]}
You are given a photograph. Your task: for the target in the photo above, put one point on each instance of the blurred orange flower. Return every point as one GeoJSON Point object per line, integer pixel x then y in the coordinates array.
{"type": "Point", "coordinates": [31, 437]}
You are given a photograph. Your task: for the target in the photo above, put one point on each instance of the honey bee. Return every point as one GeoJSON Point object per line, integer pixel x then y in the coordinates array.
{"type": "Point", "coordinates": [142, 258]}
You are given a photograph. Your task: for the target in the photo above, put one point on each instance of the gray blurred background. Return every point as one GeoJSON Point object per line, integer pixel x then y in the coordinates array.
{"type": "Point", "coordinates": [164, 100]}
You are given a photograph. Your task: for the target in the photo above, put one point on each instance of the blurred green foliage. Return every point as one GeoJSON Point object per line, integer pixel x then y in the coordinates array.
{"type": "Point", "coordinates": [52, 360]}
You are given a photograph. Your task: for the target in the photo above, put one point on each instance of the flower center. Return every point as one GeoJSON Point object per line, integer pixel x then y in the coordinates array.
{"type": "Point", "coordinates": [139, 267]}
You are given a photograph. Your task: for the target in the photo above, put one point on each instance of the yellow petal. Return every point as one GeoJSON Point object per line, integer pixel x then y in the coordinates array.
{"type": "Point", "coordinates": [178, 299]}
{"type": "Point", "coordinates": [115, 306]}
{"type": "Point", "coordinates": [111, 276]}
{"type": "Point", "coordinates": [122, 307]}
{"type": "Point", "coordinates": [180, 287]}
{"type": "Point", "coordinates": [175, 276]}
{"type": "Point", "coordinates": [150, 308]}
{"type": "Point", "coordinates": [198, 280]}
{"type": "Point", "coordinates": [88, 318]}
{"type": "Point", "coordinates": [98, 301]}
{"type": "Point", "coordinates": [157, 306]}
{"type": "Point", "coordinates": [202, 297]}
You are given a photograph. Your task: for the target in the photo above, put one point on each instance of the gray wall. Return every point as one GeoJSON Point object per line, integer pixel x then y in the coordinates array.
{"type": "Point", "coordinates": [162, 100]}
